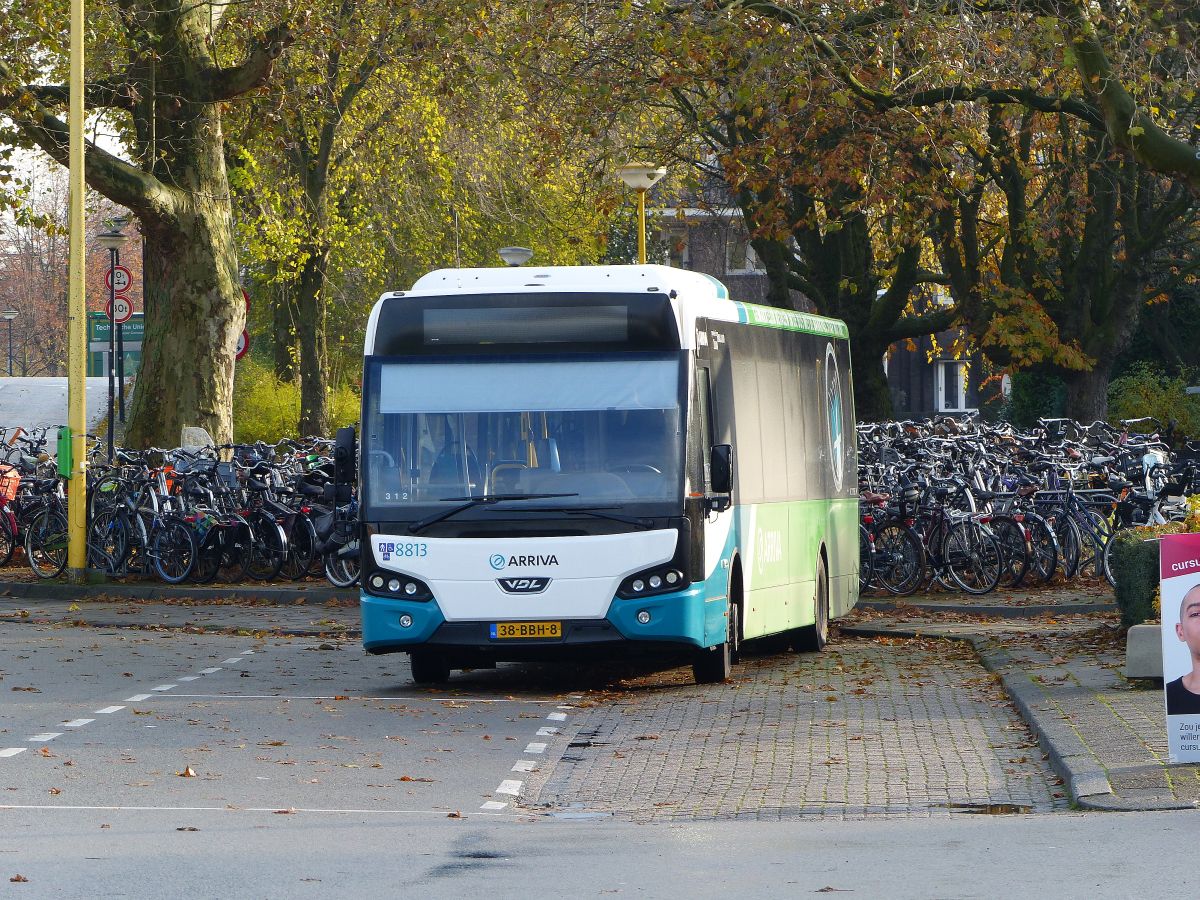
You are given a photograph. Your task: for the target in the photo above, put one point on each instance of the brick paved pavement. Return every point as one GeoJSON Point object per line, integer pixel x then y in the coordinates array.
{"type": "Point", "coordinates": [870, 727]}
{"type": "Point", "coordinates": [1104, 733]}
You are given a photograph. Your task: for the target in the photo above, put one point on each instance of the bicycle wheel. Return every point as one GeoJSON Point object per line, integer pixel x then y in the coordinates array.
{"type": "Point", "coordinates": [973, 557]}
{"type": "Point", "coordinates": [173, 550]}
{"type": "Point", "coordinates": [301, 549]}
{"type": "Point", "coordinates": [1043, 561]}
{"type": "Point", "coordinates": [1109, 575]}
{"type": "Point", "coordinates": [1011, 536]}
{"type": "Point", "coordinates": [1069, 542]}
{"type": "Point", "coordinates": [899, 559]}
{"type": "Point", "coordinates": [46, 543]}
{"type": "Point", "coordinates": [1096, 532]}
{"type": "Point", "coordinates": [268, 547]}
{"type": "Point", "coordinates": [108, 541]}
{"type": "Point", "coordinates": [866, 564]}
{"type": "Point", "coordinates": [8, 535]}
{"type": "Point", "coordinates": [342, 565]}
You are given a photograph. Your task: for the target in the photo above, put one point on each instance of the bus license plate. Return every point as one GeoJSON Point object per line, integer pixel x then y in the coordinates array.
{"type": "Point", "coordinates": [527, 631]}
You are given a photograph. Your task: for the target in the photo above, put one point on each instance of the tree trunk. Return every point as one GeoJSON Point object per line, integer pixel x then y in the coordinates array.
{"type": "Point", "coordinates": [872, 397]}
{"type": "Point", "coordinates": [1087, 392]}
{"type": "Point", "coordinates": [310, 307]}
{"type": "Point", "coordinates": [192, 327]}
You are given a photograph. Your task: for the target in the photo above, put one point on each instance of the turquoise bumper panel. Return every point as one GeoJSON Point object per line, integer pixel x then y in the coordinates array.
{"type": "Point", "coordinates": [381, 621]}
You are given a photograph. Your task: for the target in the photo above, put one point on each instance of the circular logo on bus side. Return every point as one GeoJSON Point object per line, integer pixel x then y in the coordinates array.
{"type": "Point", "coordinates": [497, 561]}
{"type": "Point", "coordinates": [833, 404]}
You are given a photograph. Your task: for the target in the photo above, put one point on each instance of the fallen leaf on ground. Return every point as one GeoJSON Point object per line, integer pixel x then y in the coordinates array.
{"type": "Point", "coordinates": [188, 772]}
{"type": "Point", "coordinates": [18, 878]}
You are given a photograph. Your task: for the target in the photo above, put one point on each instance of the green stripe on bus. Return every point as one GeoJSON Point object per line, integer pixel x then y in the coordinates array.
{"type": "Point", "coordinates": [789, 320]}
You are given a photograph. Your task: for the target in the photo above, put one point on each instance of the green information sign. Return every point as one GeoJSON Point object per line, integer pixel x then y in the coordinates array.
{"type": "Point", "coordinates": [131, 332]}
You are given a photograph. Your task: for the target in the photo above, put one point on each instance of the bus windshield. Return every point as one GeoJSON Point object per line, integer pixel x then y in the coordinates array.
{"type": "Point", "coordinates": [601, 430]}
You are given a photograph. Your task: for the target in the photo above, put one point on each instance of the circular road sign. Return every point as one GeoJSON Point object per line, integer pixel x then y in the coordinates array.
{"type": "Point", "coordinates": [118, 278]}
{"type": "Point", "coordinates": [243, 344]}
{"type": "Point", "coordinates": [124, 309]}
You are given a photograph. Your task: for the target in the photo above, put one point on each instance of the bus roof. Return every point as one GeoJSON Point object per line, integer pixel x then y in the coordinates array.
{"type": "Point", "coordinates": [694, 294]}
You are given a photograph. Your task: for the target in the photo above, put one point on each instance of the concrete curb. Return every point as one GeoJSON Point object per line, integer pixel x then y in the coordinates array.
{"type": "Point", "coordinates": [1085, 778]}
{"type": "Point", "coordinates": [117, 591]}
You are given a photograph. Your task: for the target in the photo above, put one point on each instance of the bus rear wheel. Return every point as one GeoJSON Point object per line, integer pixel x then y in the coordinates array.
{"type": "Point", "coordinates": [713, 665]}
{"type": "Point", "coordinates": [429, 667]}
{"type": "Point", "coordinates": [813, 638]}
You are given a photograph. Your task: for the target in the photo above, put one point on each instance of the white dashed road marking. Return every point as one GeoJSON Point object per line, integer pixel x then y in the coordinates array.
{"type": "Point", "coordinates": [77, 723]}
{"type": "Point", "coordinates": [210, 671]}
{"type": "Point", "coordinates": [137, 698]}
{"type": "Point", "coordinates": [109, 709]}
{"type": "Point", "coordinates": [11, 751]}
{"type": "Point", "coordinates": [536, 747]}
{"type": "Point", "coordinates": [547, 731]}
{"type": "Point", "coordinates": [230, 662]}
{"type": "Point", "coordinates": [493, 806]}
{"type": "Point", "coordinates": [557, 717]}
{"type": "Point", "coordinates": [189, 677]}
{"type": "Point", "coordinates": [510, 786]}
{"type": "Point", "coordinates": [164, 687]}
{"type": "Point", "coordinates": [46, 736]}
{"type": "Point", "coordinates": [524, 765]}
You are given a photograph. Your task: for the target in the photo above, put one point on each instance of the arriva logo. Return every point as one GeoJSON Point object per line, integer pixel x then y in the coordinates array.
{"type": "Point", "coordinates": [498, 561]}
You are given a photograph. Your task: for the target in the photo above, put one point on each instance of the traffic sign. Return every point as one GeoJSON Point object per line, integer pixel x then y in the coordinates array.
{"type": "Point", "coordinates": [243, 344]}
{"type": "Point", "coordinates": [119, 278]}
{"type": "Point", "coordinates": [124, 309]}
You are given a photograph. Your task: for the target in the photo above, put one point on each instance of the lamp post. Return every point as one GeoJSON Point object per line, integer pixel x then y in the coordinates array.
{"type": "Point", "coordinates": [641, 176]}
{"type": "Point", "coordinates": [8, 315]}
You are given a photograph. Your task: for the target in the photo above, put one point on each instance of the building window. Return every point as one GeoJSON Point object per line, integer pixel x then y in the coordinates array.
{"type": "Point", "coordinates": [740, 255]}
{"type": "Point", "coordinates": [952, 386]}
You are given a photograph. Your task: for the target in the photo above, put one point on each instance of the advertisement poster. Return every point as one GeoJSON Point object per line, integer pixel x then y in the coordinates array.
{"type": "Point", "coordinates": [1179, 571]}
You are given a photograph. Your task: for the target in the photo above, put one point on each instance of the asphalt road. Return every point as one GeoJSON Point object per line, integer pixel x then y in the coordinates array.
{"type": "Point", "coordinates": [147, 764]}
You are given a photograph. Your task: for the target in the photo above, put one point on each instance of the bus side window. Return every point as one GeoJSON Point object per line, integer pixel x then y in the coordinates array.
{"type": "Point", "coordinates": [704, 402]}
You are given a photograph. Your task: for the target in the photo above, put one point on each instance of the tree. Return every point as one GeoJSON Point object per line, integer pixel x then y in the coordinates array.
{"type": "Point", "coordinates": [163, 83]}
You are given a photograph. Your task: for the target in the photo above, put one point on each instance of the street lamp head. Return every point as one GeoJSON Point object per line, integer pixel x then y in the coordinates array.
{"type": "Point", "coordinates": [515, 256]}
{"type": "Point", "coordinates": [111, 240]}
{"type": "Point", "coordinates": [9, 314]}
{"type": "Point", "coordinates": [641, 176]}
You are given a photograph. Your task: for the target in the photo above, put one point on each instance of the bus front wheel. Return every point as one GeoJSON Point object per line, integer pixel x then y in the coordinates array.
{"type": "Point", "coordinates": [429, 667]}
{"type": "Point", "coordinates": [714, 665]}
{"type": "Point", "coordinates": [813, 638]}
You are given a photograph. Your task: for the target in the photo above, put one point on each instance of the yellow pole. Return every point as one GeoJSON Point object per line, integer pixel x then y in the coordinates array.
{"type": "Point", "coordinates": [642, 227]}
{"type": "Point", "coordinates": [77, 314]}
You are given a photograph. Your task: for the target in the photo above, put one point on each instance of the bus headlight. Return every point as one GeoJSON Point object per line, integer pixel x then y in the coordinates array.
{"type": "Point", "coordinates": [400, 586]}
{"type": "Point", "coordinates": [653, 581]}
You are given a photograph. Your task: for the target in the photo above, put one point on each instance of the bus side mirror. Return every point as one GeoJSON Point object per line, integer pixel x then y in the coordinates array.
{"type": "Point", "coordinates": [345, 456]}
{"type": "Point", "coordinates": [721, 468]}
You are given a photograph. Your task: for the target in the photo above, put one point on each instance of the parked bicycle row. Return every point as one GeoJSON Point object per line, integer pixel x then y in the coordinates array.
{"type": "Point", "coordinates": [973, 506]}
{"type": "Point", "coordinates": [233, 513]}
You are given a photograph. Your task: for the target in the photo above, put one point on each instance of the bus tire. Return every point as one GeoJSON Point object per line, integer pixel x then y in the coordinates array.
{"type": "Point", "coordinates": [813, 638]}
{"type": "Point", "coordinates": [714, 665]}
{"type": "Point", "coordinates": [429, 667]}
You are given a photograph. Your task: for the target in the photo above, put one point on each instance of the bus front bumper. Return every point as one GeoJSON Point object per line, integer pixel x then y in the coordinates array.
{"type": "Point", "coordinates": [687, 618]}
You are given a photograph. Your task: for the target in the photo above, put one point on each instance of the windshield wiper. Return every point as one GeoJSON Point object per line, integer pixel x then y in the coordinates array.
{"type": "Point", "coordinates": [597, 512]}
{"type": "Point", "coordinates": [471, 502]}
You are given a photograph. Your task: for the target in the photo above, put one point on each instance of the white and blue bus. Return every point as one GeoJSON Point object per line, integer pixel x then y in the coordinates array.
{"type": "Point", "coordinates": [562, 459]}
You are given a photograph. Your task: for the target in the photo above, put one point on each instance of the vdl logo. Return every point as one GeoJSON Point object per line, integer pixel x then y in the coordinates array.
{"type": "Point", "coordinates": [497, 561]}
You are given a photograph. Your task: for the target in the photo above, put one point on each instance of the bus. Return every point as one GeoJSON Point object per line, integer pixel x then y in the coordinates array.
{"type": "Point", "coordinates": [560, 460]}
